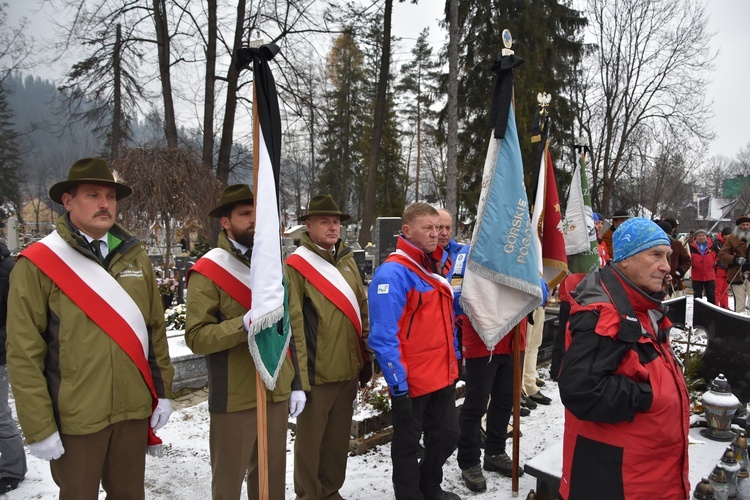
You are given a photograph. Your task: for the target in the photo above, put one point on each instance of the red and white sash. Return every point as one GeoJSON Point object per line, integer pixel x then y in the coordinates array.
{"type": "Point", "coordinates": [328, 281]}
{"type": "Point", "coordinates": [231, 275]}
{"type": "Point", "coordinates": [438, 282]}
{"type": "Point", "coordinates": [100, 297]}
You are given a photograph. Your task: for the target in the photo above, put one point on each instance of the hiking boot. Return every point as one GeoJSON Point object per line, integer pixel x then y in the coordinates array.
{"type": "Point", "coordinates": [10, 483]}
{"type": "Point", "coordinates": [474, 479]}
{"type": "Point", "coordinates": [528, 403]}
{"type": "Point", "coordinates": [540, 398]}
{"type": "Point", "coordinates": [524, 412]}
{"type": "Point", "coordinates": [444, 495]}
{"type": "Point", "coordinates": [502, 464]}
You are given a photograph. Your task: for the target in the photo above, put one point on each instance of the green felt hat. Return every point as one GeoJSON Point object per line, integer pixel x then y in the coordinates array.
{"type": "Point", "coordinates": [323, 204]}
{"type": "Point", "coordinates": [232, 195]}
{"type": "Point", "coordinates": [89, 171]}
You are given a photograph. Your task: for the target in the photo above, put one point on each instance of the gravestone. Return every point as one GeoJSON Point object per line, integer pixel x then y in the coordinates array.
{"type": "Point", "coordinates": [385, 236]}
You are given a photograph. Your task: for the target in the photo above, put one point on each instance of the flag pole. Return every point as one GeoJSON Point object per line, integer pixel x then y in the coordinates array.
{"type": "Point", "coordinates": [260, 386]}
{"type": "Point", "coordinates": [516, 407]}
{"type": "Point", "coordinates": [268, 331]}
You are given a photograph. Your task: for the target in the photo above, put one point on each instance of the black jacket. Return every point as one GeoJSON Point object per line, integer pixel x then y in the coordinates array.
{"type": "Point", "coordinates": [6, 266]}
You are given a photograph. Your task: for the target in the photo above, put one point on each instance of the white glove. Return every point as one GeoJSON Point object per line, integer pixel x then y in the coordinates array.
{"type": "Point", "coordinates": [49, 448]}
{"type": "Point", "coordinates": [297, 403]}
{"type": "Point", "coordinates": [246, 320]}
{"type": "Point", "coordinates": [161, 414]}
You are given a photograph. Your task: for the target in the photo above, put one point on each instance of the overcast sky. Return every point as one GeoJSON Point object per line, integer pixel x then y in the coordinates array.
{"type": "Point", "coordinates": [729, 19]}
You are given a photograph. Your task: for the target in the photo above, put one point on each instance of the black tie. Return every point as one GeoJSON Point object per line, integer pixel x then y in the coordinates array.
{"type": "Point", "coordinates": [96, 247]}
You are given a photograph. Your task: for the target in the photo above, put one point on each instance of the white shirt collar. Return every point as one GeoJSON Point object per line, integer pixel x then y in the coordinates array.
{"type": "Point", "coordinates": [239, 246]}
{"type": "Point", "coordinates": [105, 249]}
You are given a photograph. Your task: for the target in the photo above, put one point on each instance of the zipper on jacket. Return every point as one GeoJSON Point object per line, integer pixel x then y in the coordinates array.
{"type": "Point", "coordinates": [411, 320]}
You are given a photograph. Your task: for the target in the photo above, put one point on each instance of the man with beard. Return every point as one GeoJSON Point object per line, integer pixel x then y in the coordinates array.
{"type": "Point", "coordinates": [734, 255]}
{"type": "Point", "coordinates": [722, 285]}
{"type": "Point", "coordinates": [87, 347]}
{"type": "Point", "coordinates": [218, 299]}
{"type": "Point", "coordinates": [328, 313]}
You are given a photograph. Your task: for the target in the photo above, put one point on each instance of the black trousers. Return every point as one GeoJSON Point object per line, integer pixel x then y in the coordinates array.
{"type": "Point", "coordinates": [485, 377]}
{"type": "Point", "coordinates": [435, 414]}
{"type": "Point", "coordinates": [708, 286]}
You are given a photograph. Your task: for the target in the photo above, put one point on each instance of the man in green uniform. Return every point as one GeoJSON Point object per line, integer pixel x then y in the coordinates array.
{"type": "Point", "coordinates": [214, 327]}
{"type": "Point", "coordinates": [87, 347]}
{"type": "Point", "coordinates": [328, 310]}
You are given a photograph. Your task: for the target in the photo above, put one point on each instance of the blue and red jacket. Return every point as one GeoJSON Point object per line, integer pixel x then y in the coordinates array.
{"type": "Point", "coordinates": [627, 409]}
{"type": "Point", "coordinates": [411, 321]}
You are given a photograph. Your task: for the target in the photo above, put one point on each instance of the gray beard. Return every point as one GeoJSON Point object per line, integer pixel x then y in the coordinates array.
{"type": "Point", "coordinates": [742, 235]}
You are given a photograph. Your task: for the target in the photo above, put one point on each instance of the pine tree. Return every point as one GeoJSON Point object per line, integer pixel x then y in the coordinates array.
{"type": "Point", "coordinates": [341, 152]}
{"type": "Point", "coordinates": [10, 156]}
{"type": "Point", "coordinates": [547, 36]}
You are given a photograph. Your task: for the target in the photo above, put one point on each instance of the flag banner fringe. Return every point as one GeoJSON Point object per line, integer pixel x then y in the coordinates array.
{"type": "Point", "coordinates": [485, 287]}
{"type": "Point", "coordinates": [270, 321]}
{"type": "Point", "coordinates": [504, 279]}
{"type": "Point", "coordinates": [267, 321]}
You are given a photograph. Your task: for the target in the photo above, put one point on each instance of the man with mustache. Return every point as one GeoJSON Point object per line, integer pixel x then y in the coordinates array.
{"type": "Point", "coordinates": [214, 328]}
{"type": "Point", "coordinates": [734, 255]}
{"type": "Point", "coordinates": [87, 348]}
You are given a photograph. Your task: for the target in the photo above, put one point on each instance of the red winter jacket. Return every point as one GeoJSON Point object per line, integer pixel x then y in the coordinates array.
{"type": "Point", "coordinates": [411, 322]}
{"type": "Point", "coordinates": [627, 408]}
{"type": "Point", "coordinates": [473, 347]}
{"type": "Point", "coordinates": [704, 266]}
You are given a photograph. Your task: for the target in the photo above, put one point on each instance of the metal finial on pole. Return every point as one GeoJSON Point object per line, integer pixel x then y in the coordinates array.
{"type": "Point", "coordinates": [508, 42]}
{"type": "Point", "coordinates": [257, 41]}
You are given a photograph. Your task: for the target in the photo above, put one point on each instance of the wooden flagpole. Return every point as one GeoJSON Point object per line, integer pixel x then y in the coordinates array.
{"type": "Point", "coordinates": [516, 407]}
{"type": "Point", "coordinates": [260, 387]}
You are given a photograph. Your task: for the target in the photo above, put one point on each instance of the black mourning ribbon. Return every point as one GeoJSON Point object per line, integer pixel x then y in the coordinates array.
{"type": "Point", "coordinates": [503, 92]}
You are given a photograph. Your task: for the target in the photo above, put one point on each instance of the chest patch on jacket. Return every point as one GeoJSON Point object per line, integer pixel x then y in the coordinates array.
{"type": "Point", "coordinates": [131, 273]}
{"type": "Point", "coordinates": [383, 288]}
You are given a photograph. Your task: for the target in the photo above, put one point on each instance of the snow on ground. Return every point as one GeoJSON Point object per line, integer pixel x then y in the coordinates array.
{"type": "Point", "coordinates": [184, 472]}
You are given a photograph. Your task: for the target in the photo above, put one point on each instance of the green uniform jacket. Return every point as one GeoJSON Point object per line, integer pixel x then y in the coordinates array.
{"type": "Point", "coordinates": [213, 327]}
{"type": "Point", "coordinates": [67, 374]}
{"type": "Point", "coordinates": [327, 345]}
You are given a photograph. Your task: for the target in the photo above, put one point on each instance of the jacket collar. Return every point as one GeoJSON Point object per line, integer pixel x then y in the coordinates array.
{"type": "Point", "coordinates": [339, 249]}
{"type": "Point", "coordinates": [640, 300]}
{"type": "Point", "coordinates": [436, 262]}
